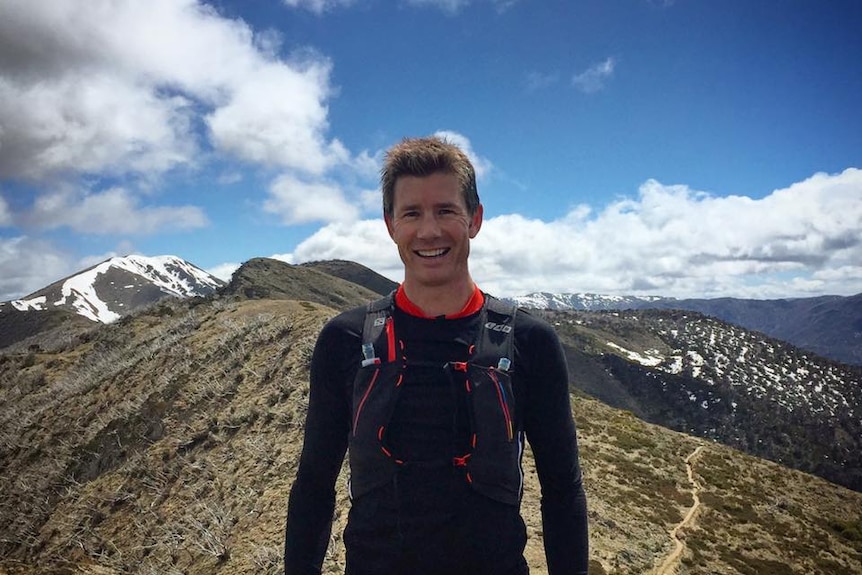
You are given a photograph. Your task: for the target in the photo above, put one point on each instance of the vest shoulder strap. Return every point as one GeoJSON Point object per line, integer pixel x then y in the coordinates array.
{"type": "Point", "coordinates": [495, 346]}
{"type": "Point", "coordinates": [494, 343]}
{"type": "Point", "coordinates": [377, 313]}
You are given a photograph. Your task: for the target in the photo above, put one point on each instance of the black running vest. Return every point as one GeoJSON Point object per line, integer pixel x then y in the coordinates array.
{"type": "Point", "coordinates": [492, 464]}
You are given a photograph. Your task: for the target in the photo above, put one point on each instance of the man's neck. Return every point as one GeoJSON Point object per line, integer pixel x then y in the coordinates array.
{"type": "Point", "coordinates": [434, 302]}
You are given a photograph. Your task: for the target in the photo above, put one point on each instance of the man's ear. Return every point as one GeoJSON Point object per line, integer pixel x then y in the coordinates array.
{"type": "Point", "coordinates": [476, 221]}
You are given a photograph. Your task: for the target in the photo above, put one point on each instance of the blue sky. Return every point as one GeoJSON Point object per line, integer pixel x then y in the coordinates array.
{"type": "Point", "coordinates": [681, 148]}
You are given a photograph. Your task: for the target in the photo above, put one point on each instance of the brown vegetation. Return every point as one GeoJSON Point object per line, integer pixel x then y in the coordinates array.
{"type": "Point", "coordinates": [167, 442]}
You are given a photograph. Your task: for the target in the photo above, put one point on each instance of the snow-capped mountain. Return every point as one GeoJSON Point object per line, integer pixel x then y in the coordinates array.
{"type": "Point", "coordinates": [830, 326]}
{"type": "Point", "coordinates": [582, 301]}
{"type": "Point", "coordinates": [118, 286]}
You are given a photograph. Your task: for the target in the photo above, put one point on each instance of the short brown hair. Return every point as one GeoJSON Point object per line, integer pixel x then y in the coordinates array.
{"type": "Point", "coordinates": [422, 157]}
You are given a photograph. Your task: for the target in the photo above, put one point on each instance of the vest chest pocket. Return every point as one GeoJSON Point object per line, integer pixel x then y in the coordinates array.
{"type": "Point", "coordinates": [375, 391]}
{"type": "Point", "coordinates": [494, 465]}
{"type": "Point", "coordinates": [363, 387]}
{"type": "Point", "coordinates": [492, 403]}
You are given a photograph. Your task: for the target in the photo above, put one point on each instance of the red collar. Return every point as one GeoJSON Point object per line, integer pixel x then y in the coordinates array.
{"type": "Point", "coordinates": [473, 305]}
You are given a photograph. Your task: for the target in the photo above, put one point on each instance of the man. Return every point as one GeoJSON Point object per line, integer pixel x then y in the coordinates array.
{"type": "Point", "coordinates": [435, 434]}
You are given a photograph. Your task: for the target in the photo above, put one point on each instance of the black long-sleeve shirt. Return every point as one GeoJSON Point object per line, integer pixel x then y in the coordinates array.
{"type": "Point", "coordinates": [430, 521]}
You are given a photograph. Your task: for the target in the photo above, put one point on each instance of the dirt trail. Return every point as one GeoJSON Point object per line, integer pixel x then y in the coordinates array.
{"type": "Point", "coordinates": [669, 565]}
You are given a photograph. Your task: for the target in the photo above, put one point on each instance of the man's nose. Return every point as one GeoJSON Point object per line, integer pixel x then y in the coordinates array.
{"type": "Point", "coordinates": [429, 227]}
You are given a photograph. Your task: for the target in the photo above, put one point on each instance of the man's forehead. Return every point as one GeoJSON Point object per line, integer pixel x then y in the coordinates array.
{"type": "Point", "coordinates": [441, 187]}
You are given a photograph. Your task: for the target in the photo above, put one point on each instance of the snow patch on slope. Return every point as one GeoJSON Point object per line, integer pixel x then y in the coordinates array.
{"type": "Point", "coordinates": [652, 359]}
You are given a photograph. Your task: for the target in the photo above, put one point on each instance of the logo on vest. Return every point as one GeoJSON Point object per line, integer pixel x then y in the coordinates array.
{"type": "Point", "coordinates": [498, 327]}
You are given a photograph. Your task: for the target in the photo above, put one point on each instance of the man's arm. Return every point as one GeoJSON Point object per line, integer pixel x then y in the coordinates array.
{"type": "Point", "coordinates": [312, 497]}
{"type": "Point", "coordinates": [551, 432]}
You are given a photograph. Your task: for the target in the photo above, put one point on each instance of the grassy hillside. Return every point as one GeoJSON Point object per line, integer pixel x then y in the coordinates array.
{"type": "Point", "coordinates": [167, 442]}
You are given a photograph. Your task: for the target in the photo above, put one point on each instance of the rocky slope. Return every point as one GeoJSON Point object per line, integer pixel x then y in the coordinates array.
{"type": "Point", "coordinates": [355, 273]}
{"type": "Point", "coordinates": [718, 381]}
{"type": "Point", "coordinates": [273, 279]}
{"type": "Point", "coordinates": [830, 326]}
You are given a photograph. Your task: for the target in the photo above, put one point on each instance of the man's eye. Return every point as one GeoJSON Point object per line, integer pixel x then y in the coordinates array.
{"type": "Point", "coordinates": [410, 214]}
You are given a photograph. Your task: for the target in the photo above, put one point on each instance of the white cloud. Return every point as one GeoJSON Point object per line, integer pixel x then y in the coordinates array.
{"type": "Point", "coordinates": [318, 6]}
{"type": "Point", "coordinates": [126, 87]}
{"type": "Point", "coordinates": [91, 123]}
{"type": "Point", "coordinates": [371, 201]}
{"type": "Point", "coordinates": [296, 201]}
{"type": "Point", "coordinates": [367, 166]}
{"type": "Point", "coordinates": [286, 258]}
{"type": "Point", "coordinates": [224, 271]}
{"type": "Point", "coordinates": [28, 264]}
{"type": "Point", "coordinates": [670, 240]}
{"type": "Point", "coordinates": [593, 78]}
{"type": "Point", "coordinates": [113, 211]}
{"type": "Point", "coordinates": [277, 117]}
{"type": "Point", "coordinates": [366, 242]}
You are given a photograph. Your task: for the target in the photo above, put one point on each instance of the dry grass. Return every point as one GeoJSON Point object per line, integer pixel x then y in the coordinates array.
{"type": "Point", "coordinates": [167, 444]}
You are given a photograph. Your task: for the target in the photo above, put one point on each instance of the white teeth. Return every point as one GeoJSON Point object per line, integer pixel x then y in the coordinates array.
{"type": "Point", "coordinates": [431, 253]}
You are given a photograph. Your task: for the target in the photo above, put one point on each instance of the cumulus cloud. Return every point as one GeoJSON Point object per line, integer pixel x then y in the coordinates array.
{"type": "Point", "coordinates": [113, 211]}
{"type": "Point", "coordinates": [318, 6]}
{"type": "Point", "coordinates": [669, 240]}
{"type": "Point", "coordinates": [296, 201]}
{"type": "Point", "coordinates": [28, 264]}
{"type": "Point", "coordinates": [277, 117]}
{"type": "Point", "coordinates": [593, 79]}
{"type": "Point", "coordinates": [224, 271]}
{"type": "Point", "coordinates": [91, 123]}
{"type": "Point", "coordinates": [127, 87]}
{"type": "Point", "coordinates": [365, 241]}
{"type": "Point", "coordinates": [132, 92]}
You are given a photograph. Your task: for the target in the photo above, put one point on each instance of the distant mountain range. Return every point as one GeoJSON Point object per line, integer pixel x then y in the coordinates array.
{"type": "Point", "coordinates": [830, 326]}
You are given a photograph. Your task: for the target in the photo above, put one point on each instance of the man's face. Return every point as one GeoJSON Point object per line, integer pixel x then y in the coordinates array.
{"type": "Point", "coordinates": [432, 229]}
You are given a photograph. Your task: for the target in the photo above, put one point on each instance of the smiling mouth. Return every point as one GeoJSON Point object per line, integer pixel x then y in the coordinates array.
{"type": "Point", "coordinates": [432, 253]}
